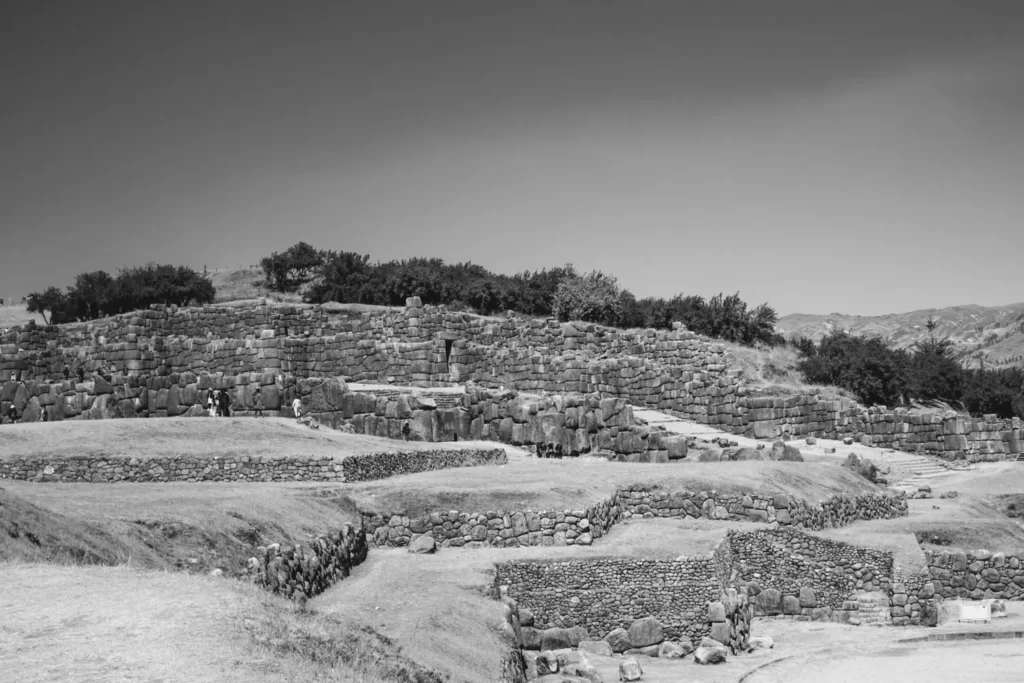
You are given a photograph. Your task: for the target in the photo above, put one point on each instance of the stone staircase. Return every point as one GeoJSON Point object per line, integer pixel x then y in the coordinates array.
{"type": "Point", "coordinates": [910, 469]}
{"type": "Point", "coordinates": [1020, 457]}
{"type": "Point", "coordinates": [869, 609]}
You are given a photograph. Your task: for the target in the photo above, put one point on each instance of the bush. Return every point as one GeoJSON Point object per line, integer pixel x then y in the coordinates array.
{"type": "Point", "coordinates": [96, 294]}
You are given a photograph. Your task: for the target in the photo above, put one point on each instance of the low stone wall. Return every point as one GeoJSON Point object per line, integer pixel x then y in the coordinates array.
{"type": "Point", "coordinates": [807, 573]}
{"type": "Point", "coordinates": [974, 575]}
{"type": "Point", "coordinates": [602, 595]}
{"type": "Point", "coordinates": [299, 571]}
{"type": "Point", "coordinates": [580, 527]}
{"type": "Point", "coordinates": [835, 511]}
{"type": "Point", "coordinates": [372, 466]}
{"type": "Point", "coordinates": [179, 468]}
{"type": "Point", "coordinates": [495, 529]}
{"type": "Point", "coordinates": [248, 468]}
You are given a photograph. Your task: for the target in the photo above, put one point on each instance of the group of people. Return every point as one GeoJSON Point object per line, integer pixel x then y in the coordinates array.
{"type": "Point", "coordinates": [219, 403]}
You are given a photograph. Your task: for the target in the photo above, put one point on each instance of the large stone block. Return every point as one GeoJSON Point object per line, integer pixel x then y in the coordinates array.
{"type": "Point", "coordinates": [645, 632]}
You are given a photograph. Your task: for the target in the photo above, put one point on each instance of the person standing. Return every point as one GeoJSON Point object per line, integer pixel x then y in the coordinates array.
{"type": "Point", "coordinates": [227, 402]}
{"type": "Point", "coordinates": [66, 371]}
{"type": "Point", "coordinates": [257, 400]}
{"type": "Point", "coordinates": [297, 407]}
{"type": "Point", "coordinates": [210, 405]}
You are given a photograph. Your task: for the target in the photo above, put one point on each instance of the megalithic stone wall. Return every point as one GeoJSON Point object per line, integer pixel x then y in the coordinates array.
{"type": "Point", "coordinates": [301, 571]}
{"type": "Point", "coordinates": [672, 370]}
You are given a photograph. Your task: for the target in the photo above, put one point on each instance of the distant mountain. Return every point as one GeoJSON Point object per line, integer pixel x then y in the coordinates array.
{"type": "Point", "coordinates": [993, 335]}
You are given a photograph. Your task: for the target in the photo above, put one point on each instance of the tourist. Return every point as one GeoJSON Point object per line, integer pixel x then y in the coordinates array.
{"type": "Point", "coordinates": [66, 371]}
{"type": "Point", "coordinates": [226, 398]}
{"type": "Point", "coordinates": [257, 401]}
{"type": "Point", "coordinates": [44, 416]}
{"type": "Point", "coordinates": [297, 407]}
{"type": "Point", "coordinates": [81, 373]}
{"type": "Point", "coordinates": [12, 414]}
{"type": "Point", "coordinates": [210, 405]}
{"type": "Point", "coordinates": [406, 430]}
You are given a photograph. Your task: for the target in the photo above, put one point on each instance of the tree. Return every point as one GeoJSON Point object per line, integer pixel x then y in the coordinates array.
{"type": "Point", "coordinates": [593, 297]}
{"type": "Point", "coordinates": [288, 271]}
{"type": "Point", "coordinates": [50, 300]}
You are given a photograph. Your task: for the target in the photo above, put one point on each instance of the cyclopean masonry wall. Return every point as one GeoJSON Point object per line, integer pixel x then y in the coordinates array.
{"type": "Point", "coordinates": [298, 571]}
{"type": "Point", "coordinates": [973, 575]}
{"type": "Point", "coordinates": [582, 526]}
{"type": "Point", "coordinates": [672, 370]}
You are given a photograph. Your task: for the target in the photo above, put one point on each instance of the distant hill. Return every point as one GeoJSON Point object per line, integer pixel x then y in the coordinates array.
{"type": "Point", "coordinates": [14, 315]}
{"type": "Point", "coordinates": [993, 334]}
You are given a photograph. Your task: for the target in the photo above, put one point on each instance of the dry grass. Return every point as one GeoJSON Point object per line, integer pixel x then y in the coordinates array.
{"type": "Point", "coordinates": [772, 371]}
{"type": "Point", "coordinates": [527, 483]}
{"type": "Point", "coordinates": [117, 624]}
{"type": "Point", "coordinates": [14, 315]}
{"type": "Point", "coordinates": [192, 436]}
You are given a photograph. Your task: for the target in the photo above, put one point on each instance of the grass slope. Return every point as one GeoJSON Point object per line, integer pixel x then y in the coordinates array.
{"type": "Point", "coordinates": [118, 624]}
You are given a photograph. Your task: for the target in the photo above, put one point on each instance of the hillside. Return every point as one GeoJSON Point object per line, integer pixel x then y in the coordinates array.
{"type": "Point", "coordinates": [993, 334]}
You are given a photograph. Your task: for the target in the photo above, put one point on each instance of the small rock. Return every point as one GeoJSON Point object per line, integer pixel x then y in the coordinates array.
{"type": "Point", "coordinates": [547, 663]}
{"type": "Point", "coordinates": [588, 671]}
{"type": "Point", "coordinates": [710, 655]}
{"type": "Point", "coordinates": [629, 670]}
{"type": "Point", "coordinates": [811, 441]}
{"type": "Point", "coordinates": [761, 643]}
{"type": "Point", "coordinates": [848, 441]}
{"type": "Point", "coordinates": [648, 651]}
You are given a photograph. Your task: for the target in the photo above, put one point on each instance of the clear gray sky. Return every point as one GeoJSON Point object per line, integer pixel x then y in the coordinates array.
{"type": "Point", "coordinates": [822, 155]}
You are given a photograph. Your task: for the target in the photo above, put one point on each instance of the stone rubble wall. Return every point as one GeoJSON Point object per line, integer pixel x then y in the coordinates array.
{"type": "Point", "coordinates": [602, 595]}
{"type": "Point", "coordinates": [809, 575]}
{"type": "Point", "coordinates": [300, 571]}
{"type": "Point", "coordinates": [580, 527]}
{"type": "Point", "coordinates": [494, 529]}
{"type": "Point", "coordinates": [192, 468]}
{"type": "Point", "coordinates": [671, 370]}
{"type": "Point", "coordinates": [372, 466]}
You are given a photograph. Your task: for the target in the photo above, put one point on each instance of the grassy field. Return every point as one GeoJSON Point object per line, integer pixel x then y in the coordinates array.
{"type": "Point", "coordinates": [527, 483]}
{"type": "Point", "coordinates": [171, 437]}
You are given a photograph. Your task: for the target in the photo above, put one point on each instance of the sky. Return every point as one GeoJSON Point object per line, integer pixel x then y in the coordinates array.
{"type": "Point", "coordinates": [821, 155]}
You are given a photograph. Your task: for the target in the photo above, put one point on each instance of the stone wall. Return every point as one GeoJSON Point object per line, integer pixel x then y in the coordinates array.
{"type": "Point", "coordinates": [179, 468]}
{"type": "Point", "coordinates": [495, 529]}
{"type": "Point", "coordinates": [809, 574]}
{"type": "Point", "coordinates": [674, 370]}
{"type": "Point", "coordinates": [295, 571]}
{"type": "Point", "coordinates": [950, 436]}
{"type": "Point", "coordinates": [974, 575]}
{"type": "Point", "coordinates": [835, 511]}
{"type": "Point", "coordinates": [602, 595]}
{"type": "Point", "coordinates": [582, 526]}
{"type": "Point", "coordinates": [370, 466]}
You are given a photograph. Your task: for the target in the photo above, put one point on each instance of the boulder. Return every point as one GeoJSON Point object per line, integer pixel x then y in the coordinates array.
{"type": "Point", "coordinates": [629, 670]}
{"type": "Point", "coordinates": [645, 632]}
{"type": "Point", "coordinates": [709, 642]}
{"type": "Point", "coordinates": [531, 637]}
{"type": "Point", "coordinates": [597, 647]}
{"type": "Point", "coordinates": [791, 454]}
{"type": "Point", "coordinates": [998, 609]}
{"type": "Point", "coordinates": [686, 644]}
{"type": "Point", "coordinates": [807, 597]}
{"type": "Point", "coordinates": [761, 643]}
{"type": "Point", "coordinates": [670, 650]}
{"type": "Point", "coordinates": [710, 455]}
{"type": "Point", "coordinates": [423, 545]}
{"type": "Point", "coordinates": [750, 454]}
{"type": "Point", "coordinates": [619, 640]}
{"type": "Point", "coordinates": [586, 670]}
{"type": "Point", "coordinates": [769, 601]}
{"type": "Point", "coordinates": [649, 651]}
{"type": "Point", "coordinates": [577, 634]}
{"type": "Point", "coordinates": [525, 617]}
{"type": "Point", "coordinates": [710, 655]}
{"type": "Point", "coordinates": [547, 663]}
{"type": "Point", "coordinates": [716, 612]}
{"type": "Point", "coordinates": [791, 605]}
{"type": "Point", "coordinates": [554, 639]}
